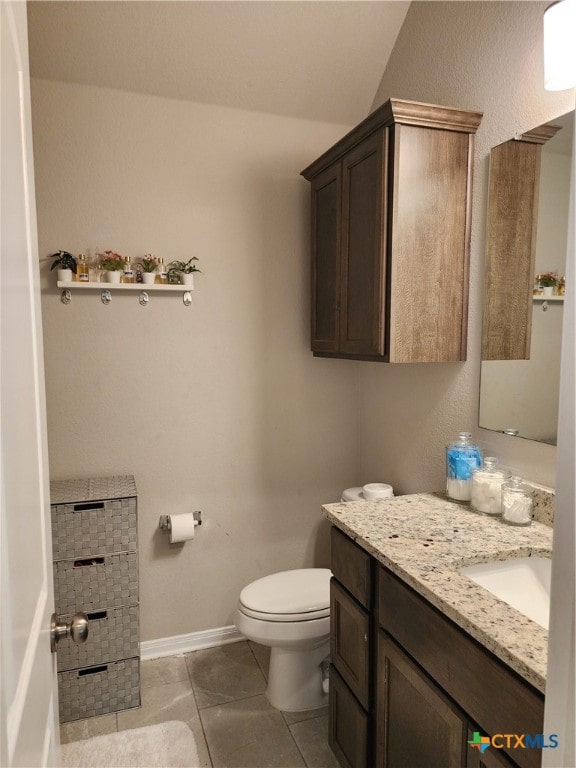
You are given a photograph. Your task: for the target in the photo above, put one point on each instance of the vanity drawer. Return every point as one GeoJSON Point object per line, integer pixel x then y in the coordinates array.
{"type": "Point", "coordinates": [113, 634]}
{"type": "Point", "coordinates": [490, 693]}
{"type": "Point", "coordinates": [96, 583]}
{"type": "Point", "coordinates": [350, 642]}
{"type": "Point", "coordinates": [348, 725]}
{"type": "Point", "coordinates": [93, 528]}
{"type": "Point", "coordinates": [352, 566]}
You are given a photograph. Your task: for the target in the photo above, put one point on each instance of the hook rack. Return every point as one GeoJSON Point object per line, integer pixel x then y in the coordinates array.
{"type": "Point", "coordinates": [106, 292]}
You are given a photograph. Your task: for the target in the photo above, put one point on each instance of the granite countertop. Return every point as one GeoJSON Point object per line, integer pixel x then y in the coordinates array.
{"type": "Point", "coordinates": [424, 540]}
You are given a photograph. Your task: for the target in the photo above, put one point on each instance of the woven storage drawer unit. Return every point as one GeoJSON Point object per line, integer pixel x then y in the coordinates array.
{"type": "Point", "coordinates": [93, 584]}
{"type": "Point", "coordinates": [95, 553]}
{"type": "Point", "coordinates": [99, 690]}
{"type": "Point", "coordinates": [113, 635]}
{"type": "Point", "coordinates": [93, 527]}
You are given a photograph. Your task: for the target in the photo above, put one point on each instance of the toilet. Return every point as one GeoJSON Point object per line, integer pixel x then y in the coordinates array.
{"type": "Point", "coordinates": [290, 612]}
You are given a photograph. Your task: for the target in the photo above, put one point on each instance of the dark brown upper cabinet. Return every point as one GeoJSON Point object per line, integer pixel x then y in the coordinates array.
{"type": "Point", "coordinates": [391, 234]}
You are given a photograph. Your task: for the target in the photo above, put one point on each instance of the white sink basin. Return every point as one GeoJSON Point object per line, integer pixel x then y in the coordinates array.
{"type": "Point", "coordinates": [523, 583]}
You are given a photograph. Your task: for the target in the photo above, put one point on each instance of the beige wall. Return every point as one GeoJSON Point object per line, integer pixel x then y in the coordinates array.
{"type": "Point", "coordinates": [485, 56]}
{"type": "Point", "coordinates": [219, 406]}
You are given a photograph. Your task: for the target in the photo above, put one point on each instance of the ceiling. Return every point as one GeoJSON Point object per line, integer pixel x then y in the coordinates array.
{"type": "Point", "coordinates": [317, 60]}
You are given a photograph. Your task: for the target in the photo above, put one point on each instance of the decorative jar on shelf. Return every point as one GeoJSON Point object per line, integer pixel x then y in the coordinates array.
{"type": "Point", "coordinates": [65, 275]}
{"type": "Point", "coordinates": [148, 278]}
{"type": "Point", "coordinates": [188, 279]}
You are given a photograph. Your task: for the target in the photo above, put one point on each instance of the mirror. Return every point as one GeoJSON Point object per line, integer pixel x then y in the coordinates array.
{"type": "Point", "coordinates": [527, 228]}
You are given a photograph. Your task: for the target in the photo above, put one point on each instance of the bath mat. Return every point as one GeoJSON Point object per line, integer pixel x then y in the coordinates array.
{"type": "Point", "coordinates": [166, 745]}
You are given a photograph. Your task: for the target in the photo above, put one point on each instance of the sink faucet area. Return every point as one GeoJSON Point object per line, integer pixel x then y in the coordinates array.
{"type": "Point", "coordinates": [522, 582]}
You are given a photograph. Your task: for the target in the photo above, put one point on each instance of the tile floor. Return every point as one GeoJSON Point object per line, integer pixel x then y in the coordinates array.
{"type": "Point", "coordinates": [219, 692]}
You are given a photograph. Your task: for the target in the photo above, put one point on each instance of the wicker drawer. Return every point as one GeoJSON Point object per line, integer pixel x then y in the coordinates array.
{"type": "Point", "coordinates": [96, 583]}
{"type": "Point", "coordinates": [112, 635]}
{"type": "Point", "coordinates": [99, 689]}
{"type": "Point", "coordinates": [93, 528]}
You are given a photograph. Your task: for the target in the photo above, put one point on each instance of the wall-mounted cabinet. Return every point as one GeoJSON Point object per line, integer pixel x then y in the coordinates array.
{"type": "Point", "coordinates": [390, 236]}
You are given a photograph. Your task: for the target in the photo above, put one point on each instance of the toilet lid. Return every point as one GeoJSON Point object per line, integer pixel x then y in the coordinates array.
{"type": "Point", "coordinates": [298, 595]}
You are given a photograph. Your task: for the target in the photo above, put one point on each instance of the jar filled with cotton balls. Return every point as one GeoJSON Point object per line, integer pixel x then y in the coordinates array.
{"type": "Point", "coordinates": [487, 487]}
{"type": "Point", "coordinates": [516, 502]}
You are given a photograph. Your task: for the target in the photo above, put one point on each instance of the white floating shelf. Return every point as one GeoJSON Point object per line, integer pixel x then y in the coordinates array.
{"type": "Point", "coordinates": [123, 286]}
{"type": "Point", "coordinates": [548, 298]}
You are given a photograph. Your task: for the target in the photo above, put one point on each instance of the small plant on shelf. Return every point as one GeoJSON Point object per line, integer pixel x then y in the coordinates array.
{"type": "Point", "coordinates": [148, 264]}
{"type": "Point", "coordinates": [112, 262]}
{"type": "Point", "coordinates": [63, 260]}
{"type": "Point", "coordinates": [178, 268]}
{"type": "Point", "coordinates": [548, 279]}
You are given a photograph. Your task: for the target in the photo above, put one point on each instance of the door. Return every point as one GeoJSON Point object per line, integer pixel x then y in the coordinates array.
{"type": "Point", "coordinates": [417, 726]}
{"type": "Point", "coordinates": [28, 692]}
{"type": "Point", "coordinates": [326, 206]}
{"type": "Point", "coordinates": [363, 270]}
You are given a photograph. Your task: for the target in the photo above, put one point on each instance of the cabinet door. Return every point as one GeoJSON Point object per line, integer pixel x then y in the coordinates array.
{"type": "Point", "coordinates": [363, 247]}
{"type": "Point", "coordinates": [326, 208]}
{"type": "Point", "coordinates": [350, 642]}
{"type": "Point", "coordinates": [348, 725]}
{"type": "Point", "coordinates": [417, 726]}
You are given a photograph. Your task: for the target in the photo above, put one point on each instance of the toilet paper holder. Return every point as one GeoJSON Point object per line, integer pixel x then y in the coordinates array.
{"type": "Point", "coordinates": [165, 525]}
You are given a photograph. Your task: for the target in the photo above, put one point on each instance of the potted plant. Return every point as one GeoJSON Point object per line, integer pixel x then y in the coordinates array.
{"type": "Point", "coordinates": [548, 282]}
{"type": "Point", "coordinates": [66, 264]}
{"type": "Point", "coordinates": [113, 264]}
{"type": "Point", "coordinates": [183, 271]}
{"type": "Point", "coordinates": [148, 267]}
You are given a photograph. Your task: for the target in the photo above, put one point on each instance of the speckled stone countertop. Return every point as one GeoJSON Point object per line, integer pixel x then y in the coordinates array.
{"type": "Point", "coordinates": [424, 540]}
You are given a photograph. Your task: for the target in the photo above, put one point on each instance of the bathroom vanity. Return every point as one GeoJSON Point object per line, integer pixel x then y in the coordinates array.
{"type": "Point", "coordinates": [422, 657]}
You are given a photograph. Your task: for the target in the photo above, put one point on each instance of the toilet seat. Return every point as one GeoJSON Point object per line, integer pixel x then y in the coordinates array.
{"type": "Point", "coordinates": [299, 595]}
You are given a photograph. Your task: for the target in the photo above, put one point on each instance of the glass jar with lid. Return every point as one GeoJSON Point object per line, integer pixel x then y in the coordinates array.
{"type": "Point", "coordinates": [487, 487]}
{"type": "Point", "coordinates": [462, 457]}
{"type": "Point", "coordinates": [516, 502]}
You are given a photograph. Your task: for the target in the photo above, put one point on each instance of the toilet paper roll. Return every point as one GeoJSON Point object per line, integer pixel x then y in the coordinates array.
{"type": "Point", "coordinates": [182, 527]}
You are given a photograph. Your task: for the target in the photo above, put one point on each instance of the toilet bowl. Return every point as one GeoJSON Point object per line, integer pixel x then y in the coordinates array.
{"type": "Point", "coordinates": [290, 612]}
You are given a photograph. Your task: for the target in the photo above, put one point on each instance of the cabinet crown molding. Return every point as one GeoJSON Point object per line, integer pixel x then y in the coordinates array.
{"type": "Point", "coordinates": [401, 112]}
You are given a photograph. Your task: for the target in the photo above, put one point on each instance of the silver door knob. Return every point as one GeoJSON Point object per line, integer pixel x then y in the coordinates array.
{"type": "Point", "coordinates": [77, 629]}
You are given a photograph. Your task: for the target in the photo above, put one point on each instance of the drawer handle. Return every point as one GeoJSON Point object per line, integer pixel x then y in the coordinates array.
{"type": "Point", "coordinates": [92, 670]}
{"type": "Point", "coordinates": [97, 615]}
{"type": "Point", "coordinates": [88, 561]}
{"type": "Point", "coordinates": [85, 507]}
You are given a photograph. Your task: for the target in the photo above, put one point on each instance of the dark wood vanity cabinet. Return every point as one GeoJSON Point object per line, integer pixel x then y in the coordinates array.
{"type": "Point", "coordinates": [390, 236]}
{"type": "Point", "coordinates": [408, 687]}
{"type": "Point", "coordinates": [351, 700]}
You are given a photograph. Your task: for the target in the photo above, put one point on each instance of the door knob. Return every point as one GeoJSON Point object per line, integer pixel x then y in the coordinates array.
{"type": "Point", "coordinates": [77, 629]}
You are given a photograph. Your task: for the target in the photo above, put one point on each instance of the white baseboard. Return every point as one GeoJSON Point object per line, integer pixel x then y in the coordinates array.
{"type": "Point", "coordinates": [194, 641]}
